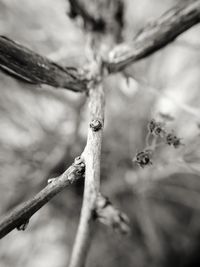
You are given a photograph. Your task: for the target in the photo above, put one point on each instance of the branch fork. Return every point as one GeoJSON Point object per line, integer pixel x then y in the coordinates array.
{"type": "Point", "coordinates": [28, 66]}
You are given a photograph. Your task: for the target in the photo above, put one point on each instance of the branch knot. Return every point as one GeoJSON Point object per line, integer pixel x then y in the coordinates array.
{"type": "Point", "coordinates": [96, 125]}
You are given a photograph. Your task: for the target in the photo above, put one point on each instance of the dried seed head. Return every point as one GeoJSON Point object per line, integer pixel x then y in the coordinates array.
{"type": "Point", "coordinates": [172, 139]}
{"type": "Point", "coordinates": [156, 128]}
{"type": "Point", "coordinates": [151, 125]}
{"type": "Point", "coordinates": [143, 158]}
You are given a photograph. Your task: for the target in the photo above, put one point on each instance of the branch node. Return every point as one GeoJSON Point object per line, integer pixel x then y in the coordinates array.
{"type": "Point", "coordinates": [19, 217]}
{"type": "Point", "coordinates": [109, 215]}
{"type": "Point", "coordinates": [51, 180]}
{"type": "Point", "coordinates": [96, 125]}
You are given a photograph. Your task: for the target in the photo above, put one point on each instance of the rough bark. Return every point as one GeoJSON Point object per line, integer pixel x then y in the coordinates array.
{"type": "Point", "coordinates": [155, 35]}
{"type": "Point", "coordinates": [26, 65]}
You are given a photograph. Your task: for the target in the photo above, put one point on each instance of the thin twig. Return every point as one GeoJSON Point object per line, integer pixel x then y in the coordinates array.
{"type": "Point", "coordinates": [21, 215]}
{"type": "Point", "coordinates": [91, 156]}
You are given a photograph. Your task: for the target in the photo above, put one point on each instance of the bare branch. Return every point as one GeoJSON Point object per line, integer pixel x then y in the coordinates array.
{"type": "Point", "coordinates": [26, 65]}
{"type": "Point", "coordinates": [21, 215]}
{"type": "Point", "coordinates": [91, 156]}
{"type": "Point", "coordinates": [156, 35]}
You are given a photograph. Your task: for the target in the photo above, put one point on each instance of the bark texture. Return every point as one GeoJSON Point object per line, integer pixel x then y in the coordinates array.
{"type": "Point", "coordinates": [155, 35]}
{"type": "Point", "coordinates": [26, 65]}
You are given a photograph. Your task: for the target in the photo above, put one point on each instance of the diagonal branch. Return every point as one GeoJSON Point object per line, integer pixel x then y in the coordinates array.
{"type": "Point", "coordinates": [156, 35]}
{"type": "Point", "coordinates": [91, 156]}
{"type": "Point", "coordinates": [26, 65]}
{"type": "Point", "coordinates": [21, 215]}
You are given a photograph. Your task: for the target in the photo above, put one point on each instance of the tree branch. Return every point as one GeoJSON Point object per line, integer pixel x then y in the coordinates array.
{"type": "Point", "coordinates": [91, 156]}
{"type": "Point", "coordinates": [26, 65]}
{"type": "Point", "coordinates": [155, 36]}
{"type": "Point", "coordinates": [77, 8]}
{"type": "Point", "coordinates": [21, 215]}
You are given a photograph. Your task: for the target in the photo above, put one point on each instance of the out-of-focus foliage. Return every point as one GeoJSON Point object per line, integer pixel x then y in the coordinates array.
{"type": "Point", "coordinates": [42, 130]}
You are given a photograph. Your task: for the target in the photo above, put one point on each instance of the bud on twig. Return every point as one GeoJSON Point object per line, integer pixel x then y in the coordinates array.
{"type": "Point", "coordinates": [109, 215]}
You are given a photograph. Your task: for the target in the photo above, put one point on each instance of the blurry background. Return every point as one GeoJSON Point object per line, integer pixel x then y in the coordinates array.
{"type": "Point", "coordinates": [42, 130]}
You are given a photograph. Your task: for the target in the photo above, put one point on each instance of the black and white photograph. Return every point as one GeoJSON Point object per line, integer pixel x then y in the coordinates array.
{"type": "Point", "coordinates": [100, 133]}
